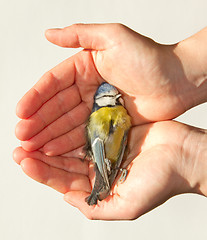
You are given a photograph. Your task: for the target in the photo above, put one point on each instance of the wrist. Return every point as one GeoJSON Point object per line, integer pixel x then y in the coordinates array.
{"type": "Point", "coordinates": [192, 53]}
{"type": "Point", "coordinates": [194, 161]}
{"type": "Point", "coordinates": [201, 162]}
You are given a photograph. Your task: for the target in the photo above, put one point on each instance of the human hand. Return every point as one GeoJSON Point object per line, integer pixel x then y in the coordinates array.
{"type": "Point", "coordinates": [54, 111]}
{"type": "Point", "coordinates": [149, 75]}
{"type": "Point", "coordinates": [159, 81]}
{"type": "Point", "coordinates": [166, 159]}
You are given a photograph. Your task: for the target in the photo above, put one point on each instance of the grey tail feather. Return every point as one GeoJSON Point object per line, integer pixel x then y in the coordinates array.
{"type": "Point", "coordinates": [92, 198]}
{"type": "Point", "coordinates": [98, 185]}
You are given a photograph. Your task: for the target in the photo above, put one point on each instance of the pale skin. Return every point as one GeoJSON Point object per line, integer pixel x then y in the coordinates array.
{"type": "Point", "coordinates": [157, 82]}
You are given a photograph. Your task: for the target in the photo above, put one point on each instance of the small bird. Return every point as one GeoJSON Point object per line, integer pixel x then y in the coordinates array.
{"type": "Point", "coordinates": [107, 129]}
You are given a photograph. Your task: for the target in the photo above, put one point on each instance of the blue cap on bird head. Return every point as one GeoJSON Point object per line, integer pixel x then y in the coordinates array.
{"type": "Point", "coordinates": [107, 95]}
{"type": "Point", "coordinates": [106, 89]}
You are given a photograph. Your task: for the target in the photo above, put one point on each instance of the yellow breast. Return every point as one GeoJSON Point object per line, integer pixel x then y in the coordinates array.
{"type": "Point", "coordinates": [110, 124]}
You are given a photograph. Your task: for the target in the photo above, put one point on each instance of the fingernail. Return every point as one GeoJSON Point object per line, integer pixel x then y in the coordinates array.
{"type": "Point", "coordinates": [48, 151]}
{"type": "Point", "coordinates": [51, 31]}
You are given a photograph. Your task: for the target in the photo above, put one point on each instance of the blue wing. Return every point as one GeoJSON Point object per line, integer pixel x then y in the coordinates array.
{"type": "Point", "coordinates": [99, 156]}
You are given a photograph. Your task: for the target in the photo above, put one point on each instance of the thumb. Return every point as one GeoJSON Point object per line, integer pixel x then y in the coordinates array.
{"type": "Point", "coordinates": [88, 36]}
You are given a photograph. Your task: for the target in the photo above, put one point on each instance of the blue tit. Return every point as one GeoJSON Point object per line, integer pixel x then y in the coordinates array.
{"type": "Point", "coordinates": [107, 129]}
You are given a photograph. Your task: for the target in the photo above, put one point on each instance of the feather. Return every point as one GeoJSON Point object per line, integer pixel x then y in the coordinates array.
{"type": "Point", "coordinates": [107, 130]}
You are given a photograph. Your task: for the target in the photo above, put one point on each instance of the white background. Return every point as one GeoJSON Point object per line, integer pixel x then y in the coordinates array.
{"type": "Point", "coordinates": [31, 211]}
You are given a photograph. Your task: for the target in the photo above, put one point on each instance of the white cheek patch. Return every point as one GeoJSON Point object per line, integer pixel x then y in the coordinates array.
{"type": "Point", "coordinates": [104, 101]}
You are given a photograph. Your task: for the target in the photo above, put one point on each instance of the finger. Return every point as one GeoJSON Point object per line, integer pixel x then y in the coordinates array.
{"type": "Point", "coordinates": [66, 143]}
{"type": "Point", "coordinates": [70, 164]}
{"type": "Point", "coordinates": [88, 36]}
{"type": "Point", "coordinates": [62, 125]}
{"type": "Point", "coordinates": [108, 209]}
{"type": "Point", "coordinates": [61, 103]}
{"type": "Point", "coordinates": [58, 179]}
{"type": "Point", "coordinates": [77, 153]}
{"type": "Point", "coordinates": [57, 79]}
